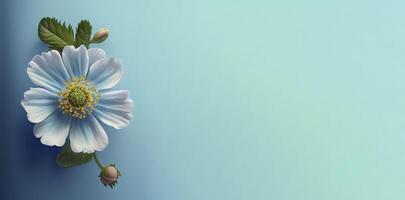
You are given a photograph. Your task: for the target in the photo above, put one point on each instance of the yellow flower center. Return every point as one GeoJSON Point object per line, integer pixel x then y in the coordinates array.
{"type": "Point", "coordinates": [78, 99]}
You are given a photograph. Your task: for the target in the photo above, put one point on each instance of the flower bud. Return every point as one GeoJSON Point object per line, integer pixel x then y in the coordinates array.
{"type": "Point", "coordinates": [100, 35]}
{"type": "Point", "coordinates": [109, 175]}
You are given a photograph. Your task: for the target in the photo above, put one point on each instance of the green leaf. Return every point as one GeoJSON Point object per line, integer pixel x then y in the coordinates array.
{"type": "Point", "coordinates": [83, 33]}
{"type": "Point", "coordinates": [54, 33]}
{"type": "Point", "coordinates": [67, 158]}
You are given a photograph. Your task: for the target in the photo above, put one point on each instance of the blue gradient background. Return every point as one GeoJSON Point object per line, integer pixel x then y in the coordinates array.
{"type": "Point", "coordinates": [234, 100]}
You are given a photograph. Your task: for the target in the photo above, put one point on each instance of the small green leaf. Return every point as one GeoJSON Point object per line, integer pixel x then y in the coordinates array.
{"type": "Point", "coordinates": [67, 158]}
{"type": "Point", "coordinates": [83, 33]}
{"type": "Point", "coordinates": [54, 33]}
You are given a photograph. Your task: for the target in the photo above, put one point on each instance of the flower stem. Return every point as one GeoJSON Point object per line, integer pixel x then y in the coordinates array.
{"type": "Point", "coordinates": [97, 161]}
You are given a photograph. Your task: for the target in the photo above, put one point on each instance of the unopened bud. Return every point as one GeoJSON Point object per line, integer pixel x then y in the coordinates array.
{"type": "Point", "coordinates": [109, 175]}
{"type": "Point", "coordinates": [100, 35]}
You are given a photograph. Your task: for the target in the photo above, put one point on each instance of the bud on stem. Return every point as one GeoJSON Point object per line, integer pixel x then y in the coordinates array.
{"type": "Point", "coordinates": [100, 35]}
{"type": "Point", "coordinates": [108, 174]}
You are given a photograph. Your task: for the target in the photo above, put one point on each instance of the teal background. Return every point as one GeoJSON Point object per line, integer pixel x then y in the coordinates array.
{"type": "Point", "coordinates": [233, 100]}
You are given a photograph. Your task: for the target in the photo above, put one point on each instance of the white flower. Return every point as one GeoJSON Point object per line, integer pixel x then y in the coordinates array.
{"type": "Point", "coordinates": [73, 95]}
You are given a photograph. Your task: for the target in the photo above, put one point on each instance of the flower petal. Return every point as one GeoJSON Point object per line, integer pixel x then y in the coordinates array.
{"type": "Point", "coordinates": [105, 73]}
{"type": "Point", "coordinates": [76, 60]}
{"type": "Point", "coordinates": [96, 54]}
{"type": "Point", "coordinates": [114, 108]}
{"type": "Point", "coordinates": [39, 103]}
{"type": "Point", "coordinates": [48, 71]}
{"type": "Point", "coordinates": [54, 130]}
{"type": "Point", "coordinates": [86, 135]}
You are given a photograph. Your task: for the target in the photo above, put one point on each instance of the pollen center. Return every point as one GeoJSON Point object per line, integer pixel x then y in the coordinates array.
{"type": "Point", "coordinates": [78, 99]}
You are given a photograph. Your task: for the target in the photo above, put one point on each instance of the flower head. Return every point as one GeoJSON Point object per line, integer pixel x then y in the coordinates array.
{"type": "Point", "coordinates": [73, 95]}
